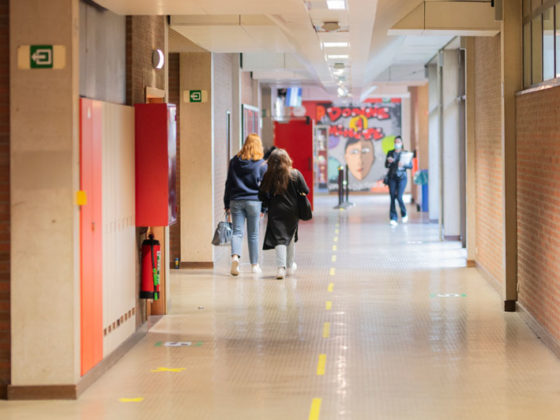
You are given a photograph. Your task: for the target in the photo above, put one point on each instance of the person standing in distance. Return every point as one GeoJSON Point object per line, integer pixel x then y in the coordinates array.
{"type": "Point", "coordinates": [241, 201]}
{"type": "Point", "coordinates": [397, 181]}
{"type": "Point", "coordinates": [279, 192]}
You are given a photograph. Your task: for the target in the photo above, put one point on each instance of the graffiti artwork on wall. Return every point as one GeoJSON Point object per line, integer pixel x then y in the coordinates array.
{"type": "Point", "coordinates": [360, 137]}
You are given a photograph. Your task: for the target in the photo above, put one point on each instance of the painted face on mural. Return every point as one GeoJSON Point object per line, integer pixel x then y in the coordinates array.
{"type": "Point", "coordinates": [359, 156]}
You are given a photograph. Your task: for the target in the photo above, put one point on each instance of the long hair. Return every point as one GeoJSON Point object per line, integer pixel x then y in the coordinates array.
{"type": "Point", "coordinates": [279, 172]}
{"type": "Point", "coordinates": [252, 148]}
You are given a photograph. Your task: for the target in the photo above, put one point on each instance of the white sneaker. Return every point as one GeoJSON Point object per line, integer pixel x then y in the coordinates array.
{"type": "Point", "coordinates": [234, 265]}
{"type": "Point", "coordinates": [291, 271]}
{"type": "Point", "coordinates": [393, 223]}
{"type": "Point", "coordinates": [405, 219]}
{"type": "Point", "coordinates": [255, 268]}
{"type": "Point", "coordinates": [281, 273]}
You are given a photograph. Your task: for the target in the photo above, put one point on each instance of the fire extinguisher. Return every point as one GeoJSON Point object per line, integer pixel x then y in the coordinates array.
{"type": "Point", "coordinates": [150, 268]}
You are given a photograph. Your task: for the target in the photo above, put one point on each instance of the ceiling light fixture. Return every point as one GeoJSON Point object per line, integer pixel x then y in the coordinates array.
{"type": "Point", "coordinates": [336, 4]}
{"type": "Point", "coordinates": [337, 56]}
{"type": "Point", "coordinates": [335, 44]}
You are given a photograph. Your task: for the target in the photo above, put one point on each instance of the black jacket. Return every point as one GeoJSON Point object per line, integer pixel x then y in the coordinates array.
{"type": "Point", "coordinates": [283, 212]}
{"type": "Point", "coordinates": [394, 170]}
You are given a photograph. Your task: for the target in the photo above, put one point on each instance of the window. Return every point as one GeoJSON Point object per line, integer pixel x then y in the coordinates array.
{"type": "Point", "coordinates": [541, 41]}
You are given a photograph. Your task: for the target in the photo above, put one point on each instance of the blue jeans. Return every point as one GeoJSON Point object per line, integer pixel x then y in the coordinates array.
{"type": "Point", "coordinates": [396, 189]}
{"type": "Point", "coordinates": [241, 210]}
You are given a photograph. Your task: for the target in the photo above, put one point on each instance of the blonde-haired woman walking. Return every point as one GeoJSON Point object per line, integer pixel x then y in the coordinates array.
{"type": "Point", "coordinates": [279, 192]}
{"type": "Point", "coordinates": [241, 200]}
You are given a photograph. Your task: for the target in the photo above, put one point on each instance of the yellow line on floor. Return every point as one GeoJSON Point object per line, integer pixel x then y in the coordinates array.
{"type": "Point", "coordinates": [139, 399]}
{"type": "Point", "coordinates": [334, 247]}
{"type": "Point", "coordinates": [332, 271]}
{"type": "Point", "coordinates": [315, 409]}
{"type": "Point", "coordinates": [335, 239]}
{"type": "Point", "coordinates": [331, 287]}
{"type": "Point", "coordinates": [326, 330]}
{"type": "Point", "coordinates": [333, 258]}
{"type": "Point", "coordinates": [336, 231]}
{"type": "Point", "coordinates": [321, 364]}
{"type": "Point", "coordinates": [328, 305]}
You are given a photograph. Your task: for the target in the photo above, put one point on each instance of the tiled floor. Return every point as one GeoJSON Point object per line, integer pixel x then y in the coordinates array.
{"type": "Point", "coordinates": [378, 323]}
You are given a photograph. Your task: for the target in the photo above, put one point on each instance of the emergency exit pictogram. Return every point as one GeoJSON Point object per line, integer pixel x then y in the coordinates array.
{"type": "Point", "coordinates": [195, 96]}
{"type": "Point", "coordinates": [41, 57]}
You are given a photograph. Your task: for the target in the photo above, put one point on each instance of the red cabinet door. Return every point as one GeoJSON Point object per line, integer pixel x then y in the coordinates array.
{"type": "Point", "coordinates": [91, 294]}
{"type": "Point", "coordinates": [296, 137]}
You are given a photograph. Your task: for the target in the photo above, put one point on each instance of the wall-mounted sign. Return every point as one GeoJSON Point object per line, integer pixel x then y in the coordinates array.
{"type": "Point", "coordinates": [42, 57]}
{"type": "Point", "coordinates": [195, 96]}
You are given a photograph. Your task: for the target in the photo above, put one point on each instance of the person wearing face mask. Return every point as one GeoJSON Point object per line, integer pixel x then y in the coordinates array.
{"type": "Point", "coordinates": [396, 177]}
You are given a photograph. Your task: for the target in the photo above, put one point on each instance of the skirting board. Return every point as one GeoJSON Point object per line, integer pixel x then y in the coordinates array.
{"type": "Point", "coordinates": [196, 264]}
{"type": "Point", "coordinates": [73, 391]}
{"type": "Point", "coordinates": [542, 334]}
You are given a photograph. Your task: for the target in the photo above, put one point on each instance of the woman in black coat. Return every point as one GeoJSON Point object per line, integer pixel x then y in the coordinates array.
{"type": "Point", "coordinates": [279, 192]}
{"type": "Point", "coordinates": [397, 181]}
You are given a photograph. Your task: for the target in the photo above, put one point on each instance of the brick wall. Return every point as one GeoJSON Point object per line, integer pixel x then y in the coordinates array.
{"type": "Point", "coordinates": [489, 157]}
{"type": "Point", "coordinates": [143, 35]}
{"type": "Point", "coordinates": [223, 102]}
{"type": "Point", "coordinates": [538, 200]}
{"type": "Point", "coordinates": [174, 98]}
{"type": "Point", "coordinates": [4, 199]}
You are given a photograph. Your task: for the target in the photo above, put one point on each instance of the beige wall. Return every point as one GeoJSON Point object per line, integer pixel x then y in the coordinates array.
{"type": "Point", "coordinates": [44, 173]}
{"type": "Point", "coordinates": [197, 197]}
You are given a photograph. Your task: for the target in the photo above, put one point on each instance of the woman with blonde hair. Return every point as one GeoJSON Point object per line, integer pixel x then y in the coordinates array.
{"type": "Point", "coordinates": [279, 192]}
{"type": "Point", "coordinates": [241, 200]}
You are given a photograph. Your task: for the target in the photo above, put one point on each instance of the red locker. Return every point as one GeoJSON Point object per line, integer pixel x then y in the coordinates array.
{"type": "Point", "coordinates": [156, 150]}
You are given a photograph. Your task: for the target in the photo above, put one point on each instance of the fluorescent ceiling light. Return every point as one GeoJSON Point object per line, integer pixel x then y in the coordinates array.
{"type": "Point", "coordinates": [336, 4]}
{"type": "Point", "coordinates": [337, 56]}
{"type": "Point", "coordinates": [335, 44]}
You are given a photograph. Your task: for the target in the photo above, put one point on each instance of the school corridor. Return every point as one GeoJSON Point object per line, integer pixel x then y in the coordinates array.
{"type": "Point", "coordinates": [378, 322]}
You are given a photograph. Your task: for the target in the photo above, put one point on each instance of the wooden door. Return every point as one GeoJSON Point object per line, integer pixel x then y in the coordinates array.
{"type": "Point", "coordinates": [296, 137]}
{"type": "Point", "coordinates": [91, 296]}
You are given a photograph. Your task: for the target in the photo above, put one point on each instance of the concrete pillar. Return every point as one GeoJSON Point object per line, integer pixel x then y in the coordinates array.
{"type": "Point", "coordinates": [451, 153]}
{"type": "Point", "coordinates": [267, 133]}
{"type": "Point", "coordinates": [236, 140]}
{"type": "Point", "coordinates": [197, 163]}
{"type": "Point", "coordinates": [434, 147]}
{"type": "Point", "coordinates": [44, 161]}
{"type": "Point", "coordinates": [512, 82]}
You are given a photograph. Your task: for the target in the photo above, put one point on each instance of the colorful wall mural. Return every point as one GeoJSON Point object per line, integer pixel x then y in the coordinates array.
{"type": "Point", "coordinates": [360, 137]}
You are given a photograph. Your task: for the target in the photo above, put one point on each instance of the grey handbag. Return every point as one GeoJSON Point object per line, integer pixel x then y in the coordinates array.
{"type": "Point", "coordinates": [222, 234]}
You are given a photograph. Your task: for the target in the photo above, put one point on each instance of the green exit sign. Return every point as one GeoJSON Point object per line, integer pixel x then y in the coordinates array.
{"type": "Point", "coordinates": [195, 96]}
{"type": "Point", "coordinates": [41, 56]}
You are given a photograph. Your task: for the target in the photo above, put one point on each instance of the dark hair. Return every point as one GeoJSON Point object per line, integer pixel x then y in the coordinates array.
{"type": "Point", "coordinates": [279, 172]}
{"type": "Point", "coordinates": [398, 137]}
{"type": "Point", "coordinates": [268, 152]}
{"type": "Point", "coordinates": [352, 141]}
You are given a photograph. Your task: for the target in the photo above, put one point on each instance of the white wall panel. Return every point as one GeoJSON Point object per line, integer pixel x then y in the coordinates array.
{"type": "Point", "coordinates": [119, 244]}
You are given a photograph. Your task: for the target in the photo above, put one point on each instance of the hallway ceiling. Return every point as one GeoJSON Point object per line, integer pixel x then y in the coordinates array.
{"type": "Point", "coordinates": [294, 33]}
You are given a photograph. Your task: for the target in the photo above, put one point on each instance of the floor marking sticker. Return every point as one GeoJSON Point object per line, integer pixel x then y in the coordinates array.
{"type": "Point", "coordinates": [139, 399]}
{"type": "Point", "coordinates": [198, 344]}
{"type": "Point", "coordinates": [315, 409]}
{"type": "Point", "coordinates": [336, 231]}
{"type": "Point", "coordinates": [328, 305]}
{"type": "Point", "coordinates": [334, 247]}
{"type": "Point", "coordinates": [331, 287]}
{"type": "Point", "coordinates": [446, 295]}
{"type": "Point", "coordinates": [158, 344]}
{"type": "Point", "coordinates": [332, 271]}
{"type": "Point", "coordinates": [333, 258]}
{"type": "Point", "coordinates": [321, 364]}
{"type": "Point", "coordinates": [164, 369]}
{"type": "Point", "coordinates": [178, 344]}
{"type": "Point", "coordinates": [326, 329]}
